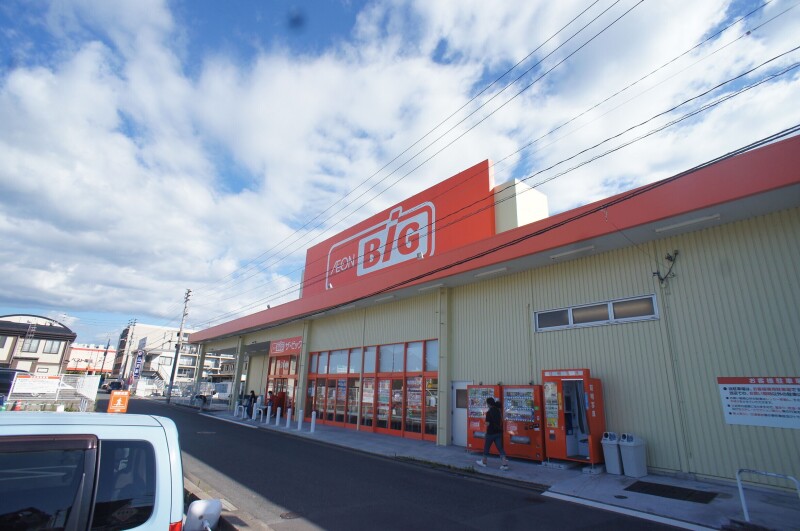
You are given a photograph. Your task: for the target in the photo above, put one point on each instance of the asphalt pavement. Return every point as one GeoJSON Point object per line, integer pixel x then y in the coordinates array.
{"type": "Point", "coordinates": [666, 499]}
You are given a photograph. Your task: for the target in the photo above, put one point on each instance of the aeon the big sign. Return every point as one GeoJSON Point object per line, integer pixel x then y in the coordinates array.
{"type": "Point", "coordinates": [398, 239]}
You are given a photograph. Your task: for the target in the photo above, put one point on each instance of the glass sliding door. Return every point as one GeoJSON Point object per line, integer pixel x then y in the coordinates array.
{"type": "Point", "coordinates": [352, 401]}
{"type": "Point", "coordinates": [396, 420]}
{"type": "Point", "coordinates": [368, 403]}
{"type": "Point", "coordinates": [384, 404]}
{"type": "Point", "coordinates": [431, 407]}
{"type": "Point", "coordinates": [330, 402]}
{"type": "Point", "coordinates": [414, 406]}
{"type": "Point", "coordinates": [341, 400]}
{"type": "Point", "coordinates": [319, 399]}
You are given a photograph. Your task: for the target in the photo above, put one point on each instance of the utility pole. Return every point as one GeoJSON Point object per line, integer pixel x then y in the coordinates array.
{"type": "Point", "coordinates": [178, 345]}
{"type": "Point", "coordinates": [128, 341]}
{"type": "Point", "coordinates": [105, 353]}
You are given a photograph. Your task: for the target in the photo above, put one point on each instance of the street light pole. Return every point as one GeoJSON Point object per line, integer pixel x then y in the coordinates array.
{"type": "Point", "coordinates": [178, 345]}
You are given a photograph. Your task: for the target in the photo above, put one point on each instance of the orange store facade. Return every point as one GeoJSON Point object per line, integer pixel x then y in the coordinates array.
{"type": "Point", "coordinates": [400, 313]}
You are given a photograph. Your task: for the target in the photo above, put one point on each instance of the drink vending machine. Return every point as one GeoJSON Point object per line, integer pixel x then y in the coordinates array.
{"type": "Point", "coordinates": [476, 414]}
{"type": "Point", "coordinates": [574, 418]}
{"type": "Point", "coordinates": [523, 433]}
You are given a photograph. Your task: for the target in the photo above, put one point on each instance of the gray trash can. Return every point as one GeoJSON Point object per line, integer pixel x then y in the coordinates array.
{"type": "Point", "coordinates": [611, 453]}
{"type": "Point", "coordinates": [634, 457]}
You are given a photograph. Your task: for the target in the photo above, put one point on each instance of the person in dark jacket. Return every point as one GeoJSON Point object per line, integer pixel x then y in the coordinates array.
{"type": "Point", "coordinates": [251, 402]}
{"type": "Point", "coordinates": [494, 434]}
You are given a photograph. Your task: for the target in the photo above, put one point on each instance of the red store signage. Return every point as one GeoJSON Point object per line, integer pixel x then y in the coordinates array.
{"type": "Point", "coordinates": [454, 213]}
{"type": "Point", "coordinates": [282, 347]}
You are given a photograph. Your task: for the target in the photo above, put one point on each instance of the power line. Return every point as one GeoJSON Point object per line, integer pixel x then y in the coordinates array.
{"type": "Point", "coordinates": [438, 138]}
{"type": "Point", "coordinates": [669, 124]}
{"type": "Point", "coordinates": [274, 296]}
{"type": "Point", "coordinates": [620, 199]}
{"type": "Point", "coordinates": [707, 39]}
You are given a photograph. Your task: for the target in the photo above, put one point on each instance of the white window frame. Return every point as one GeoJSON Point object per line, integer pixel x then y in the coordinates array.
{"type": "Point", "coordinates": [28, 343]}
{"type": "Point", "coordinates": [611, 320]}
{"type": "Point", "coordinates": [49, 344]}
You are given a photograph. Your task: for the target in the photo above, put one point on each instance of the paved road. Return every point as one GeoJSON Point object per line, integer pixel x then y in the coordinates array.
{"type": "Point", "coordinates": [290, 483]}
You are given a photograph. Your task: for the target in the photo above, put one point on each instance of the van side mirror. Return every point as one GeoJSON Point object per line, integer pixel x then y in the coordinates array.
{"type": "Point", "coordinates": [203, 515]}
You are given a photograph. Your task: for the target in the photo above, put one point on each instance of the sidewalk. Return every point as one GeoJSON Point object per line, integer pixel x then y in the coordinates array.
{"type": "Point", "coordinates": [768, 509]}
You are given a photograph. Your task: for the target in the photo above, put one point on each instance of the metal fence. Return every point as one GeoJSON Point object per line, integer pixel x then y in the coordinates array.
{"type": "Point", "coordinates": [200, 395]}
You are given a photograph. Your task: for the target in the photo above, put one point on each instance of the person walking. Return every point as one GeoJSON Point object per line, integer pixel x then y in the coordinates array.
{"type": "Point", "coordinates": [251, 402]}
{"type": "Point", "coordinates": [494, 434]}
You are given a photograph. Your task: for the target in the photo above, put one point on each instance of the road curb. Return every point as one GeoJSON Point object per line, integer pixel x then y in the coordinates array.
{"type": "Point", "coordinates": [232, 518]}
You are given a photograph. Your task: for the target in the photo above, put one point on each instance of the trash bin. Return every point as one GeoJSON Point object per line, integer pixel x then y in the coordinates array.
{"type": "Point", "coordinates": [611, 453]}
{"type": "Point", "coordinates": [634, 458]}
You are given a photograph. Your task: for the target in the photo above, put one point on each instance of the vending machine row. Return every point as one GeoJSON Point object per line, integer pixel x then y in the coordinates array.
{"type": "Point", "coordinates": [523, 434]}
{"type": "Point", "coordinates": [561, 419]}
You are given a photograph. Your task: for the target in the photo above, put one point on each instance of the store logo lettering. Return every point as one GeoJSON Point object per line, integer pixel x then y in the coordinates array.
{"type": "Point", "coordinates": [284, 345]}
{"type": "Point", "coordinates": [406, 235]}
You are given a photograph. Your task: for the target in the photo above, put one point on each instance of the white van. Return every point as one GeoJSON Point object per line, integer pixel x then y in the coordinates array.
{"type": "Point", "coordinates": [76, 471]}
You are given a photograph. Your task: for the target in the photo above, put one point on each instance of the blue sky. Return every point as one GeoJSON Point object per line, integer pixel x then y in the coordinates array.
{"type": "Point", "coordinates": [147, 147]}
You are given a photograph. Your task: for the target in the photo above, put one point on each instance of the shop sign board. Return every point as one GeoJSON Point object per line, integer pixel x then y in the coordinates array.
{"type": "Point", "coordinates": [285, 347]}
{"type": "Point", "coordinates": [771, 401]}
{"type": "Point", "coordinates": [449, 215]}
{"type": "Point", "coordinates": [36, 385]}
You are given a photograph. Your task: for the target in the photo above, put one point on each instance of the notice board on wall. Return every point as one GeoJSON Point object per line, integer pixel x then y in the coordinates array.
{"type": "Point", "coordinates": [771, 401]}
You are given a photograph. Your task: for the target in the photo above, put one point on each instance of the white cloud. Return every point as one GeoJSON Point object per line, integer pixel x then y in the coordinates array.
{"type": "Point", "coordinates": [127, 176]}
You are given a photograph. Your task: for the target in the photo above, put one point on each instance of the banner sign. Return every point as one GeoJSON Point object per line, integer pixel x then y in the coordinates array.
{"type": "Point", "coordinates": [137, 369]}
{"type": "Point", "coordinates": [771, 401]}
{"type": "Point", "coordinates": [454, 213]}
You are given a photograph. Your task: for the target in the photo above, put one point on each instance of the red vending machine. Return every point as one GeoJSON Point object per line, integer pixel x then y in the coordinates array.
{"type": "Point", "coordinates": [523, 433]}
{"type": "Point", "coordinates": [476, 414]}
{"type": "Point", "coordinates": [574, 418]}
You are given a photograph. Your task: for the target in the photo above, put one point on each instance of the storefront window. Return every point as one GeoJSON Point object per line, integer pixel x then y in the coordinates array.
{"type": "Point", "coordinates": [323, 363]}
{"type": "Point", "coordinates": [414, 403]}
{"type": "Point", "coordinates": [341, 399]}
{"type": "Point", "coordinates": [414, 357]}
{"type": "Point", "coordinates": [431, 404]}
{"type": "Point", "coordinates": [312, 365]}
{"type": "Point", "coordinates": [330, 406]}
{"type": "Point", "coordinates": [432, 355]}
{"type": "Point", "coordinates": [369, 360]}
{"type": "Point", "coordinates": [338, 362]}
{"type": "Point", "coordinates": [367, 401]}
{"type": "Point", "coordinates": [384, 403]}
{"type": "Point", "coordinates": [352, 400]}
{"type": "Point", "coordinates": [391, 358]}
{"type": "Point", "coordinates": [355, 361]}
{"type": "Point", "coordinates": [397, 404]}
{"type": "Point", "coordinates": [293, 365]}
{"type": "Point", "coordinates": [319, 400]}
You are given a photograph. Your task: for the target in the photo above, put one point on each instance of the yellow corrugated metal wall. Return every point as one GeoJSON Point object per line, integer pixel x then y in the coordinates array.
{"type": "Point", "coordinates": [730, 310]}
{"type": "Point", "coordinates": [490, 326]}
{"type": "Point", "coordinates": [733, 310]}
{"type": "Point", "coordinates": [407, 320]}
{"type": "Point", "coordinates": [631, 359]}
{"type": "Point", "coordinates": [337, 331]}
{"type": "Point", "coordinates": [393, 322]}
